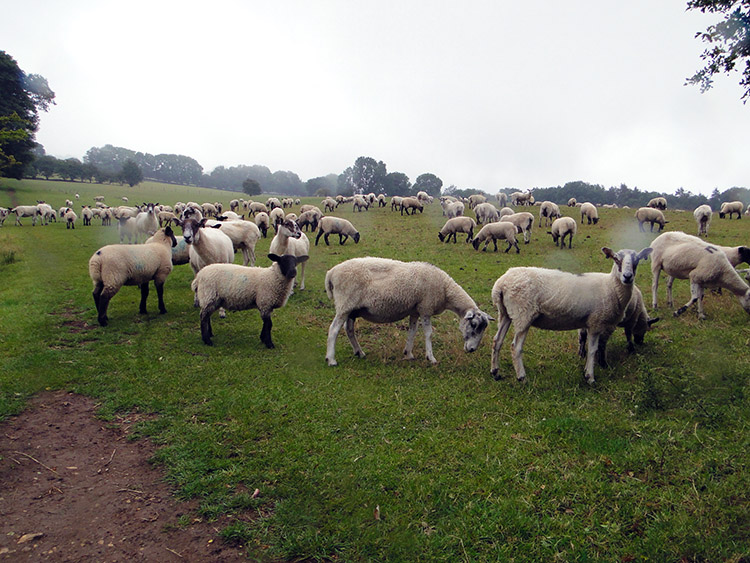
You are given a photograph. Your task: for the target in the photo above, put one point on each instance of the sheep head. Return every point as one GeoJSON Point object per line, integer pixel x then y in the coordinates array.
{"type": "Point", "coordinates": [626, 262]}
{"type": "Point", "coordinates": [472, 326]}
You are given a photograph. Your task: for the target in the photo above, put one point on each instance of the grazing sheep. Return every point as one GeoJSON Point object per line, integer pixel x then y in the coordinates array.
{"type": "Point", "coordinates": [381, 200]}
{"type": "Point", "coordinates": [273, 203]}
{"type": "Point", "coordinates": [276, 216]}
{"type": "Point", "coordinates": [207, 245]}
{"type": "Point", "coordinates": [234, 204]}
{"type": "Point", "coordinates": [70, 218]}
{"type": "Point", "coordinates": [264, 222]}
{"type": "Point", "coordinates": [230, 216]}
{"type": "Point", "coordinates": [650, 215]}
{"type": "Point", "coordinates": [476, 199]}
{"type": "Point", "coordinates": [411, 203]}
{"type": "Point", "coordinates": [561, 228]}
{"type": "Point", "coordinates": [524, 221]}
{"type": "Point", "coordinates": [381, 290]}
{"type": "Point", "coordinates": [486, 213]}
{"type": "Point", "coordinates": [549, 211]}
{"type": "Point", "coordinates": [396, 202]}
{"type": "Point", "coordinates": [456, 225]}
{"type": "Point", "coordinates": [505, 211]}
{"type": "Point", "coordinates": [572, 202]}
{"type": "Point", "coordinates": [589, 211]}
{"type": "Point", "coordinates": [703, 216]}
{"type": "Point", "coordinates": [501, 230]}
{"type": "Point", "coordinates": [244, 236]}
{"type": "Point", "coordinates": [310, 219]}
{"type": "Point", "coordinates": [555, 300]}
{"type": "Point", "coordinates": [520, 198]}
{"type": "Point", "coordinates": [730, 207]}
{"type": "Point", "coordinates": [705, 265]}
{"type": "Point", "coordinates": [290, 239]}
{"type": "Point", "coordinates": [165, 218]}
{"type": "Point", "coordinates": [657, 203]}
{"type": "Point", "coordinates": [239, 288]}
{"type": "Point", "coordinates": [26, 211]}
{"type": "Point", "coordinates": [329, 204]}
{"type": "Point", "coordinates": [209, 210]}
{"type": "Point", "coordinates": [359, 203]}
{"type": "Point", "coordinates": [736, 254]}
{"type": "Point", "coordinates": [336, 225]}
{"type": "Point", "coordinates": [257, 207]}
{"type": "Point", "coordinates": [116, 265]}
{"type": "Point", "coordinates": [453, 209]}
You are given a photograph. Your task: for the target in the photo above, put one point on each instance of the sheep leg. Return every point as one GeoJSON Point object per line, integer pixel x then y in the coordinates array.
{"type": "Point", "coordinates": [570, 241]}
{"type": "Point", "coordinates": [696, 296]}
{"type": "Point", "coordinates": [333, 332]}
{"type": "Point", "coordinates": [427, 328]}
{"type": "Point", "coordinates": [413, 320]}
{"type": "Point", "coordinates": [206, 331]}
{"type": "Point", "coordinates": [265, 333]}
{"type": "Point", "coordinates": [97, 294]}
{"type": "Point", "coordinates": [510, 245]}
{"type": "Point", "coordinates": [582, 337]}
{"type": "Point", "coordinates": [593, 345]}
{"type": "Point", "coordinates": [497, 342]}
{"type": "Point", "coordinates": [670, 281]}
{"type": "Point", "coordinates": [104, 298]}
{"type": "Point", "coordinates": [516, 351]}
{"type": "Point", "coordinates": [358, 352]}
{"type": "Point", "coordinates": [343, 238]}
{"type": "Point", "coordinates": [160, 296]}
{"type": "Point", "coordinates": [144, 296]}
{"type": "Point", "coordinates": [325, 238]}
{"type": "Point", "coordinates": [302, 276]}
{"type": "Point", "coordinates": [320, 233]}
{"type": "Point", "coordinates": [655, 273]}
{"type": "Point", "coordinates": [494, 241]}
{"type": "Point", "coordinates": [252, 256]}
{"type": "Point", "coordinates": [245, 257]}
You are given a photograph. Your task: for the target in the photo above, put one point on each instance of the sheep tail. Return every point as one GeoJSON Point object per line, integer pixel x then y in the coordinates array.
{"type": "Point", "coordinates": [329, 285]}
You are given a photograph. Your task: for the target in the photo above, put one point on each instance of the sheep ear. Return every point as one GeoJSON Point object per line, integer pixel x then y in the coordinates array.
{"type": "Point", "coordinates": [301, 259]}
{"type": "Point", "coordinates": [608, 252]}
{"type": "Point", "coordinates": [217, 226]}
{"type": "Point", "coordinates": [274, 257]}
{"type": "Point", "coordinates": [643, 254]}
{"type": "Point", "coordinates": [652, 321]}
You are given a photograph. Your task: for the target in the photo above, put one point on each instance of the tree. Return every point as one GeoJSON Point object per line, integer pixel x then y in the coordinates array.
{"type": "Point", "coordinates": [728, 42]}
{"type": "Point", "coordinates": [21, 97]}
{"type": "Point", "coordinates": [397, 183]}
{"type": "Point", "coordinates": [368, 175]}
{"type": "Point", "coordinates": [131, 173]}
{"type": "Point", "coordinates": [428, 183]}
{"type": "Point", "coordinates": [251, 187]}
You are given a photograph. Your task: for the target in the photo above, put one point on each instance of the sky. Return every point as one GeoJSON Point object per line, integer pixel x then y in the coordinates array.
{"type": "Point", "coordinates": [484, 94]}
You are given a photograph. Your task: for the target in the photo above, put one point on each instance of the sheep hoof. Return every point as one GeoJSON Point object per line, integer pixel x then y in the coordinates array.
{"type": "Point", "coordinates": [408, 355]}
{"type": "Point", "coordinates": [495, 373]}
{"type": "Point", "coordinates": [332, 362]}
{"type": "Point", "coordinates": [162, 311]}
{"type": "Point", "coordinates": [359, 354]}
{"type": "Point", "coordinates": [103, 322]}
{"type": "Point", "coordinates": [143, 312]}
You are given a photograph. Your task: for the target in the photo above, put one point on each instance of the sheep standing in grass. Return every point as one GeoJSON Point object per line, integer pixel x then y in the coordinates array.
{"type": "Point", "coordinates": [457, 225]}
{"type": "Point", "coordinates": [486, 213]}
{"type": "Point", "coordinates": [453, 209]}
{"type": "Point", "coordinates": [86, 214]}
{"type": "Point", "coordinates": [310, 219]}
{"type": "Point", "coordinates": [4, 212]}
{"type": "Point", "coordinates": [550, 211]}
{"type": "Point", "coordinates": [290, 239]}
{"type": "Point", "coordinates": [572, 202]}
{"type": "Point", "coordinates": [730, 207]}
{"type": "Point", "coordinates": [411, 203]}
{"type": "Point", "coordinates": [524, 221]}
{"type": "Point", "coordinates": [244, 236]}
{"type": "Point", "coordinates": [381, 290]}
{"type": "Point", "coordinates": [146, 222]}
{"type": "Point", "coordinates": [555, 300]}
{"type": "Point", "coordinates": [263, 221]}
{"type": "Point", "coordinates": [396, 202]}
{"type": "Point", "coordinates": [336, 225]}
{"type": "Point", "coordinates": [329, 204]}
{"type": "Point", "coordinates": [650, 215]}
{"type": "Point", "coordinates": [116, 265]}
{"type": "Point", "coordinates": [589, 211]}
{"type": "Point", "coordinates": [239, 288]}
{"type": "Point", "coordinates": [657, 203]}
{"type": "Point", "coordinates": [257, 207]}
{"type": "Point", "coordinates": [360, 203]}
{"type": "Point", "coordinates": [703, 216]}
{"type": "Point", "coordinates": [70, 218]}
{"type": "Point", "coordinates": [705, 265]}
{"type": "Point", "coordinates": [207, 245]}
{"type": "Point", "coordinates": [501, 230]}
{"type": "Point", "coordinates": [561, 228]}
{"type": "Point", "coordinates": [126, 228]}
{"type": "Point", "coordinates": [25, 211]}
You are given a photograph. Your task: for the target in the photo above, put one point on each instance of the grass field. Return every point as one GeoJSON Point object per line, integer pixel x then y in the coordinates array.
{"type": "Point", "coordinates": [650, 463]}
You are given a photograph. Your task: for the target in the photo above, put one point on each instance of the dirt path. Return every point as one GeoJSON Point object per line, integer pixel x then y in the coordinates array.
{"type": "Point", "coordinates": [73, 489]}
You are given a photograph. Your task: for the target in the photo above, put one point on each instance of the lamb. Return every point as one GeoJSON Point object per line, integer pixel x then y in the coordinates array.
{"type": "Point", "coordinates": [381, 290]}
{"type": "Point", "coordinates": [555, 300]}
{"type": "Point", "coordinates": [524, 221]}
{"type": "Point", "coordinates": [705, 265]}
{"type": "Point", "coordinates": [589, 211]}
{"type": "Point", "coordinates": [290, 239]}
{"type": "Point", "coordinates": [549, 211]}
{"type": "Point", "coordinates": [310, 219]}
{"type": "Point", "coordinates": [651, 215]}
{"type": "Point", "coordinates": [263, 221]}
{"type": "Point", "coordinates": [336, 225]}
{"type": "Point", "coordinates": [244, 236]}
{"type": "Point", "coordinates": [456, 225]}
{"type": "Point", "coordinates": [411, 203]}
{"type": "Point", "coordinates": [657, 203]}
{"type": "Point", "coordinates": [561, 228]}
{"type": "Point", "coordinates": [25, 211]}
{"type": "Point", "coordinates": [493, 231]}
{"type": "Point", "coordinates": [116, 265]}
{"type": "Point", "coordinates": [486, 213]}
{"type": "Point", "coordinates": [239, 288]}
{"type": "Point", "coordinates": [731, 207]}
{"type": "Point", "coordinates": [70, 218]}
{"type": "Point", "coordinates": [703, 216]}
{"type": "Point", "coordinates": [146, 222]}
{"type": "Point", "coordinates": [207, 246]}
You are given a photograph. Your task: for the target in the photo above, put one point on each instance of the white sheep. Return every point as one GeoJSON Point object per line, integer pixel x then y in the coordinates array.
{"type": "Point", "coordinates": [336, 225]}
{"type": "Point", "coordinates": [244, 236]}
{"type": "Point", "coordinates": [126, 228]}
{"type": "Point", "coordinates": [589, 211]}
{"type": "Point", "coordinates": [230, 216]}
{"type": "Point", "coordinates": [4, 212]}
{"type": "Point", "coordinates": [86, 214]}
{"type": "Point", "coordinates": [46, 212]}
{"type": "Point", "coordinates": [146, 222]}
{"type": "Point", "coordinates": [476, 199]}
{"type": "Point", "coordinates": [502, 199]}
{"type": "Point", "coordinates": [657, 203]}
{"type": "Point", "coordinates": [310, 218]}
{"type": "Point", "coordinates": [549, 211]}
{"type": "Point", "coordinates": [257, 207]}
{"type": "Point", "coordinates": [486, 213]}
{"type": "Point", "coordinates": [501, 230]}
{"type": "Point", "coordinates": [704, 264]}
{"type": "Point", "coordinates": [263, 221]}
{"type": "Point", "coordinates": [381, 290]}
{"type": "Point", "coordinates": [505, 211]}
{"type": "Point", "coordinates": [524, 221]}
{"type": "Point", "coordinates": [561, 228]}
{"type": "Point", "coordinates": [239, 288]}
{"type": "Point", "coordinates": [456, 225]}
{"type": "Point", "coordinates": [396, 202]}
{"type": "Point", "coordinates": [555, 300]}
{"type": "Point", "coordinates": [290, 239]}
{"type": "Point", "coordinates": [735, 254]}
{"type": "Point", "coordinates": [703, 216]}
{"type": "Point", "coordinates": [650, 215]}
{"type": "Point", "coordinates": [329, 204]}
{"type": "Point", "coordinates": [572, 202]}
{"type": "Point", "coordinates": [730, 207]}
{"type": "Point", "coordinates": [360, 202]}
{"type": "Point", "coordinates": [411, 203]}
{"type": "Point", "coordinates": [116, 265]}
{"type": "Point", "coordinates": [207, 245]}
{"type": "Point", "coordinates": [165, 218]}
{"type": "Point", "coordinates": [26, 211]}
{"type": "Point", "coordinates": [453, 209]}
{"type": "Point", "coordinates": [70, 218]}
{"type": "Point", "coordinates": [276, 216]}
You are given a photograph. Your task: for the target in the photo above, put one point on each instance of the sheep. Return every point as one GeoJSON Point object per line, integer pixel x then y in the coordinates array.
{"type": "Point", "coordinates": [657, 203]}
{"type": "Point", "coordinates": [561, 228]}
{"type": "Point", "coordinates": [116, 265]}
{"type": "Point", "coordinates": [505, 211]}
{"type": "Point", "coordinates": [209, 210]}
{"type": "Point", "coordinates": [25, 211]}
{"type": "Point", "coordinates": [411, 203]}
{"type": "Point", "coordinates": [731, 207]}
{"type": "Point", "coordinates": [636, 323]}
{"type": "Point", "coordinates": [310, 219]}
{"type": "Point", "coordinates": [329, 204]}
{"type": "Point", "coordinates": [125, 211]}
{"type": "Point", "coordinates": [381, 290]}
{"type": "Point", "coordinates": [589, 211]}
{"type": "Point", "coordinates": [244, 236]}
{"type": "Point", "coordinates": [735, 254]}
{"type": "Point", "coordinates": [359, 203]}
{"type": "Point", "coordinates": [549, 211]}
{"type": "Point", "coordinates": [165, 218]}
{"type": "Point", "coordinates": [424, 197]}
{"type": "Point", "coordinates": [239, 288]}
{"type": "Point", "coordinates": [180, 251]}
{"type": "Point", "coordinates": [486, 213]}
{"type": "Point", "coordinates": [46, 212]}
{"type": "Point", "coordinates": [4, 212]}
{"type": "Point", "coordinates": [572, 202]}
{"type": "Point", "coordinates": [555, 300]}
{"type": "Point", "coordinates": [524, 221]}
{"type": "Point", "coordinates": [703, 216]}
{"type": "Point", "coordinates": [207, 245]}
{"type": "Point", "coordinates": [381, 200]}
{"type": "Point", "coordinates": [87, 214]}
{"type": "Point", "coordinates": [70, 218]}
{"type": "Point", "coordinates": [257, 207]}
{"type": "Point", "coordinates": [520, 198]}
{"type": "Point", "coordinates": [396, 202]}
{"type": "Point", "coordinates": [651, 215]}
{"type": "Point", "coordinates": [336, 225]}
{"type": "Point", "coordinates": [290, 239]}
{"type": "Point", "coordinates": [126, 228]}
{"type": "Point", "coordinates": [230, 216]}
{"type": "Point", "coordinates": [496, 231]}
{"type": "Point", "coordinates": [476, 199]}
{"type": "Point", "coordinates": [273, 202]}
{"type": "Point", "coordinates": [453, 209]}
{"type": "Point", "coordinates": [234, 204]}
{"type": "Point", "coordinates": [146, 222]}
{"type": "Point", "coordinates": [264, 222]}
{"type": "Point", "coordinates": [705, 265]}
{"type": "Point", "coordinates": [502, 199]}
{"type": "Point", "coordinates": [456, 225]}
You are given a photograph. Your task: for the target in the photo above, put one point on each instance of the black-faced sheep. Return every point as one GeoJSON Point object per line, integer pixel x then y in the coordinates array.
{"type": "Point", "coordinates": [657, 203]}
{"type": "Point", "coordinates": [290, 239]}
{"type": "Point", "coordinates": [589, 211]}
{"type": "Point", "coordinates": [411, 204]}
{"type": "Point", "coordinates": [731, 207]}
{"type": "Point", "coordinates": [336, 225]}
{"type": "Point", "coordinates": [381, 290]}
{"type": "Point", "coordinates": [650, 215]}
{"type": "Point", "coordinates": [263, 221]}
{"type": "Point", "coordinates": [550, 211]}
{"type": "Point", "coordinates": [501, 230]}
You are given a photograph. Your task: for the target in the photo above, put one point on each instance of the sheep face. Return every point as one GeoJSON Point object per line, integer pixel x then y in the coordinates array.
{"type": "Point", "coordinates": [288, 264]}
{"type": "Point", "coordinates": [627, 262]}
{"type": "Point", "coordinates": [291, 227]}
{"type": "Point", "coordinates": [472, 326]}
{"type": "Point", "coordinates": [191, 229]}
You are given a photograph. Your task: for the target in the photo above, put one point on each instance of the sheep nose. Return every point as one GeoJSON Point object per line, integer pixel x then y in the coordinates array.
{"type": "Point", "coordinates": [627, 277]}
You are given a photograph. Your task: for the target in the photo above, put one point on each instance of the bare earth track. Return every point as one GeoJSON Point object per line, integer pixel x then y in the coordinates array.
{"type": "Point", "coordinates": [74, 489]}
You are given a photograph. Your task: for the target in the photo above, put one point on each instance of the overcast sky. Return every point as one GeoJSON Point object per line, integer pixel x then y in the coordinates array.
{"type": "Point", "coordinates": [484, 94]}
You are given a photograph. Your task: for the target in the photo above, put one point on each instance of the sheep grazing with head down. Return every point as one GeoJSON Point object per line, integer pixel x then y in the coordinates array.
{"type": "Point", "coordinates": [381, 290]}
{"type": "Point", "coordinates": [658, 203]}
{"type": "Point", "coordinates": [589, 211]}
{"type": "Point", "coordinates": [555, 300]}
{"type": "Point", "coordinates": [501, 230]}
{"type": "Point", "coordinates": [116, 265]}
{"type": "Point", "coordinates": [239, 288]}
{"type": "Point", "coordinates": [731, 207]}
{"type": "Point", "coordinates": [703, 216]}
{"type": "Point", "coordinates": [486, 213]}
{"type": "Point", "coordinates": [263, 221]}
{"type": "Point", "coordinates": [336, 226]}
{"type": "Point", "coordinates": [290, 239]}
{"type": "Point", "coordinates": [650, 215]}
{"type": "Point", "coordinates": [524, 221]}
{"type": "Point", "coordinates": [561, 228]}
{"type": "Point", "coordinates": [550, 211]}
{"type": "Point", "coordinates": [411, 204]}
{"type": "Point", "coordinates": [457, 225]}
{"type": "Point", "coordinates": [453, 209]}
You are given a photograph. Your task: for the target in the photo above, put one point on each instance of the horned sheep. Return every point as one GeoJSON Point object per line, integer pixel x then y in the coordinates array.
{"type": "Point", "coordinates": [456, 225]}
{"type": "Point", "coordinates": [501, 230]}
{"type": "Point", "coordinates": [561, 228]}
{"type": "Point", "coordinates": [381, 290]}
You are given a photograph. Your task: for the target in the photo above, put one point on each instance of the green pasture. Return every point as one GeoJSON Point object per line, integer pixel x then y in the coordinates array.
{"type": "Point", "coordinates": [650, 463]}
